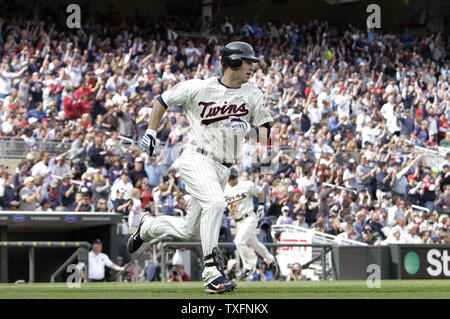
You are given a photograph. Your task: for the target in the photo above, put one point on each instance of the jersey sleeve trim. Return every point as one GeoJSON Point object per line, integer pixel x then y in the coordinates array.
{"type": "Point", "coordinates": [160, 100]}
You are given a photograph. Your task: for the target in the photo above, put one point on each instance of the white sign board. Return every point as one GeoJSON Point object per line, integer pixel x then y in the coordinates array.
{"type": "Point", "coordinates": [287, 256]}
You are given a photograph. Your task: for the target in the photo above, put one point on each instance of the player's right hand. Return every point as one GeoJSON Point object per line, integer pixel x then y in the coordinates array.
{"type": "Point", "coordinates": [148, 142]}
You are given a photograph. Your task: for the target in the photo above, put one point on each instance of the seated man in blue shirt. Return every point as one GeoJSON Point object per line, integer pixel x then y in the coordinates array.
{"type": "Point", "coordinates": [37, 113]}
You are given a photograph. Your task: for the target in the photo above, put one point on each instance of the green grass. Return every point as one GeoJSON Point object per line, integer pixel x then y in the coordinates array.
{"type": "Point", "coordinates": [410, 289]}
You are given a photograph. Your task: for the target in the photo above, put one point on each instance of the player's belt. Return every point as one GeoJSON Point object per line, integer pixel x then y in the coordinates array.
{"type": "Point", "coordinates": [202, 151]}
{"type": "Point", "coordinates": [242, 218]}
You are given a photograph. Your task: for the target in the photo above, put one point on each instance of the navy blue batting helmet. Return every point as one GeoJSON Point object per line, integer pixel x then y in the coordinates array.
{"type": "Point", "coordinates": [234, 52]}
{"type": "Point", "coordinates": [233, 172]}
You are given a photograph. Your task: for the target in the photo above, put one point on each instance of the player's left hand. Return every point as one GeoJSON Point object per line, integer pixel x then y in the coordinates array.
{"type": "Point", "coordinates": [260, 212]}
{"type": "Point", "coordinates": [238, 125]}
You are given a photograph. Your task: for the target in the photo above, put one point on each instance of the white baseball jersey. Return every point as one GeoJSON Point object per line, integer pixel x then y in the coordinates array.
{"type": "Point", "coordinates": [208, 104]}
{"type": "Point", "coordinates": [241, 195]}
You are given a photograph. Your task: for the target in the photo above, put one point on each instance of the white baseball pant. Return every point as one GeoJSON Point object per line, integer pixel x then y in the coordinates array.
{"type": "Point", "coordinates": [205, 180]}
{"type": "Point", "coordinates": [245, 237]}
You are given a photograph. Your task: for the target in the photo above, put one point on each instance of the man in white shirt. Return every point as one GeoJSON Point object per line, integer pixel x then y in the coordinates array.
{"type": "Point", "coordinates": [342, 101]}
{"type": "Point", "coordinates": [41, 168]}
{"type": "Point", "coordinates": [191, 52]}
{"type": "Point", "coordinates": [370, 133]}
{"type": "Point", "coordinates": [6, 78]}
{"type": "Point", "coordinates": [314, 113]}
{"type": "Point", "coordinates": [97, 262]}
{"type": "Point", "coordinates": [123, 182]}
{"type": "Point", "coordinates": [393, 121]}
{"type": "Point", "coordinates": [387, 109]}
{"type": "Point", "coordinates": [362, 120]}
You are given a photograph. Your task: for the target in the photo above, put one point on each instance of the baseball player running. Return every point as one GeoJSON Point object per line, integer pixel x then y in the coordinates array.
{"type": "Point", "coordinates": [239, 196]}
{"type": "Point", "coordinates": [220, 112]}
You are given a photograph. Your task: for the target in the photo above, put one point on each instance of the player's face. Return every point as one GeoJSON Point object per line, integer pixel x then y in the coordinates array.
{"type": "Point", "coordinates": [232, 181]}
{"type": "Point", "coordinates": [246, 70]}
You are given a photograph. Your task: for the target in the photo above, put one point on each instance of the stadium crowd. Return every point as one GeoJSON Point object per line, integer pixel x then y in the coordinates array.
{"type": "Point", "coordinates": [358, 115]}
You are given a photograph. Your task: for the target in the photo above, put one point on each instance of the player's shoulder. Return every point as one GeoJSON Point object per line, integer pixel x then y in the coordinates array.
{"type": "Point", "coordinates": [253, 89]}
{"type": "Point", "coordinates": [246, 184]}
{"type": "Point", "coordinates": [190, 82]}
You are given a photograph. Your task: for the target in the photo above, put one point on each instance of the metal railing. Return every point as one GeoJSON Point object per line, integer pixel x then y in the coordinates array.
{"type": "Point", "coordinates": [49, 244]}
{"type": "Point", "coordinates": [317, 237]}
{"type": "Point", "coordinates": [16, 147]}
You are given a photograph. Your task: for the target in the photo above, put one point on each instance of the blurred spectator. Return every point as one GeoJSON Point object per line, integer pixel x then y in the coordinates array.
{"type": "Point", "coordinates": [300, 220]}
{"type": "Point", "coordinates": [30, 195]}
{"type": "Point", "coordinates": [262, 273]}
{"type": "Point", "coordinates": [178, 274]}
{"type": "Point", "coordinates": [295, 273]}
{"type": "Point", "coordinates": [138, 172]}
{"type": "Point", "coordinates": [335, 227]}
{"type": "Point", "coordinates": [124, 184]}
{"type": "Point", "coordinates": [348, 233]}
{"type": "Point", "coordinates": [9, 199]}
{"type": "Point", "coordinates": [284, 219]}
{"type": "Point", "coordinates": [97, 263]}
{"type": "Point", "coordinates": [66, 192]}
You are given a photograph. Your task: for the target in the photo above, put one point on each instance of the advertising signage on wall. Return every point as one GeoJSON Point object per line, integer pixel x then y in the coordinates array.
{"type": "Point", "coordinates": [422, 262]}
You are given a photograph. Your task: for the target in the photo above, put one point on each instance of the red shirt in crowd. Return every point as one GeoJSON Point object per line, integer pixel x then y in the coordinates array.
{"type": "Point", "coordinates": [71, 108]}
{"type": "Point", "coordinates": [145, 197]}
{"type": "Point", "coordinates": [80, 91]}
{"type": "Point", "coordinates": [443, 126]}
{"type": "Point", "coordinates": [84, 107]}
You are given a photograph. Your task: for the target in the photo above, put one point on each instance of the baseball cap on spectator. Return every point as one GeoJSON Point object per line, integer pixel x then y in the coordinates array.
{"type": "Point", "coordinates": [446, 166]}
{"type": "Point", "coordinates": [125, 172]}
{"type": "Point", "coordinates": [138, 160]}
{"type": "Point", "coordinates": [96, 241]}
{"type": "Point", "coordinates": [121, 190]}
{"type": "Point", "coordinates": [67, 175]}
{"type": "Point", "coordinates": [366, 231]}
{"type": "Point", "coordinates": [285, 208]}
